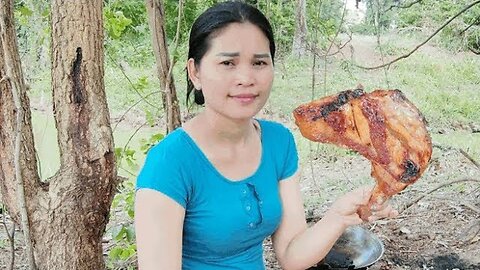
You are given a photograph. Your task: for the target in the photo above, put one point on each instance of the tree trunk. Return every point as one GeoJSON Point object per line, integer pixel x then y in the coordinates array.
{"type": "Point", "coordinates": [68, 213]}
{"type": "Point", "coordinates": [299, 47]}
{"type": "Point", "coordinates": [156, 21]}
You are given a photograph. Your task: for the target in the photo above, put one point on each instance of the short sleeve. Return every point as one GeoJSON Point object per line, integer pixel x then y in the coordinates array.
{"type": "Point", "coordinates": [162, 172]}
{"type": "Point", "coordinates": [291, 157]}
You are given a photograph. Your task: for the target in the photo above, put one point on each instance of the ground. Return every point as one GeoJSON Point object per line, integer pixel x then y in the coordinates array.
{"type": "Point", "coordinates": [440, 231]}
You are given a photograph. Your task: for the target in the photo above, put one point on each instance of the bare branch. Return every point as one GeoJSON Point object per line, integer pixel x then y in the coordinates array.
{"type": "Point", "coordinates": [331, 44]}
{"type": "Point", "coordinates": [130, 81]}
{"type": "Point", "coordinates": [131, 107]}
{"type": "Point", "coordinates": [465, 154]}
{"type": "Point", "coordinates": [477, 52]}
{"type": "Point", "coordinates": [14, 72]}
{"type": "Point", "coordinates": [470, 158]}
{"type": "Point", "coordinates": [424, 42]}
{"type": "Point", "coordinates": [403, 6]}
{"type": "Point", "coordinates": [476, 21]}
{"type": "Point", "coordinates": [408, 205]}
{"type": "Point", "coordinates": [11, 238]}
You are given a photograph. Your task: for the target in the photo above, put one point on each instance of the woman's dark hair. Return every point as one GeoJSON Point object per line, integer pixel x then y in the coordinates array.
{"type": "Point", "coordinates": [214, 19]}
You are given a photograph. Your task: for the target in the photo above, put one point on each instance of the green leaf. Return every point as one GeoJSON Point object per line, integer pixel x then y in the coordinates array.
{"type": "Point", "coordinates": [131, 213]}
{"type": "Point", "coordinates": [115, 252]}
{"type": "Point", "coordinates": [25, 11]}
{"type": "Point", "coordinates": [130, 234]}
{"type": "Point", "coordinates": [120, 234]}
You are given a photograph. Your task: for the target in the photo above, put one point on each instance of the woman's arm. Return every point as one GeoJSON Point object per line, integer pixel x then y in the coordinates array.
{"type": "Point", "coordinates": [158, 228]}
{"type": "Point", "coordinates": [299, 247]}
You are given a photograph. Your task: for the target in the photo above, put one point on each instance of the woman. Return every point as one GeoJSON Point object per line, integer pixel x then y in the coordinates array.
{"type": "Point", "coordinates": [212, 191]}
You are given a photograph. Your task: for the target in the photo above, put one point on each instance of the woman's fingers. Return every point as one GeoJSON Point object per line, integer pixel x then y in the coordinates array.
{"type": "Point", "coordinates": [361, 195]}
{"type": "Point", "coordinates": [386, 211]}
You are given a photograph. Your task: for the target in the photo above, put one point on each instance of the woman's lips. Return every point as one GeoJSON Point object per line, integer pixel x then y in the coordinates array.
{"type": "Point", "coordinates": [244, 98]}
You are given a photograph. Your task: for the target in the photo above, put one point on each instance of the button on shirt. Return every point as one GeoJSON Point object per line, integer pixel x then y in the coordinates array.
{"type": "Point", "coordinates": [225, 221]}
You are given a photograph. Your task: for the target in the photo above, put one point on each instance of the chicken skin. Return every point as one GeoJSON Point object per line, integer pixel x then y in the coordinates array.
{"type": "Point", "coordinates": [383, 126]}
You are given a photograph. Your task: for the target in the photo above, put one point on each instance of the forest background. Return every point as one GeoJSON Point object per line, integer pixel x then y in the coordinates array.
{"type": "Point", "coordinates": [428, 49]}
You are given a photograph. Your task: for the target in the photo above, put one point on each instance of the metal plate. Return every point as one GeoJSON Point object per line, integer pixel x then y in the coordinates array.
{"type": "Point", "coordinates": [356, 248]}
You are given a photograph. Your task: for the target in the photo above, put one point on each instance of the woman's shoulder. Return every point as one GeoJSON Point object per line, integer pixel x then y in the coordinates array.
{"type": "Point", "coordinates": [173, 144]}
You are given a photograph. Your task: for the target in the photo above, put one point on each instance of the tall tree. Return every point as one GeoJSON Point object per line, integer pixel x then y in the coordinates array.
{"type": "Point", "coordinates": [299, 46]}
{"type": "Point", "coordinates": [67, 214]}
{"type": "Point", "coordinates": [156, 21]}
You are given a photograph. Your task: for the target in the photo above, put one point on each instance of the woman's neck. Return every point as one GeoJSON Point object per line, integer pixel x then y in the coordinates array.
{"type": "Point", "coordinates": [225, 130]}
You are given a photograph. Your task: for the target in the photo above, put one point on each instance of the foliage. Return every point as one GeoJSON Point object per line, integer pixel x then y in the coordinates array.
{"type": "Point", "coordinates": [461, 34]}
{"type": "Point", "coordinates": [323, 18]}
{"type": "Point", "coordinates": [126, 16]}
{"type": "Point", "coordinates": [33, 17]}
{"type": "Point", "coordinates": [122, 254]}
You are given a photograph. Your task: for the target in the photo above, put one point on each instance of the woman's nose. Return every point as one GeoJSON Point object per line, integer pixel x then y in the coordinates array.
{"type": "Point", "coordinates": [246, 76]}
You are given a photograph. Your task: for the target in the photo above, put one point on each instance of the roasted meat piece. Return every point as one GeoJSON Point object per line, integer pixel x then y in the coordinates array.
{"type": "Point", "coordinates": [383, 126]}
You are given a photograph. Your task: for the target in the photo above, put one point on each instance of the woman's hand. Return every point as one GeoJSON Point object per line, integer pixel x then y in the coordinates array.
{"type": "Point", "coordinates": [380, 211]}
{"type": "Point", "coordinates": [345, 209]}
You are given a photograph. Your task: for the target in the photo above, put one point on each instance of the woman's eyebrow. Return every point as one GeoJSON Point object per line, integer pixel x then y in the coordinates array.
{"type": "Point", "coordinates": [261, 55]}
{"type": "Point", "coordinates": [229, 54]}
{"type": "Point", "coordinates": [236, 54]}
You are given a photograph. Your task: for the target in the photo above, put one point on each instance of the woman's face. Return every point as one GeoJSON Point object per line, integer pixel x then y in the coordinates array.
{"type": "Point", "coordinates": [236, 73]}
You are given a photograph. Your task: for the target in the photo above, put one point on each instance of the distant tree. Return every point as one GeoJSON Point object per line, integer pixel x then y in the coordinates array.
{"type": "Point", "coordinates": [156, 18]}
{"type": "Point", "coordinates": [299, 46]}
{"type": "Point", "coordinates": [64, 217]}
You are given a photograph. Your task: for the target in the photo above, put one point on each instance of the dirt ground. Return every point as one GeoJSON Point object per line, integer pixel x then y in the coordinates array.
{"type": "Point", "coordinates": [440, 231]}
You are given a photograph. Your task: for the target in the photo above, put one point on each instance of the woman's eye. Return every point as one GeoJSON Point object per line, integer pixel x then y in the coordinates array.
{"type": "Point", "coordinates": [260, 63]}
{"type": "Point", "coordinates": [227, 63]}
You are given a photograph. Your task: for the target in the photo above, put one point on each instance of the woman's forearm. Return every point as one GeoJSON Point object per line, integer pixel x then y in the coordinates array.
{"type": "Point", "coordinates": [313, 244]}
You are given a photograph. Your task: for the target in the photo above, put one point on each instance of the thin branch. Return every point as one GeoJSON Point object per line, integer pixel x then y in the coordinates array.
{"type": "Point", "coordinates": [172, 64]}
{"type": "Point", "coordinates": [472, 207]}
{"type": "Point", "coordinates": [11, 238]}
{"type": "Point", "coordinates": [133, 134]}
{"type": "Point", "coordinates": [408, 205]}
{"type": "Point", "coordinates": [13, 72]}
{"type": "Point", "coordinates": [476, 21]}
{"type": "Point", "coordinates": [331, 44]}
{"type": "Point", "coordinates": [474, 230]}
{"type": "Point", "coordinates": [377, 29]}
{"type": "Point", "coordinates": [470, 158]}
{"type": "Point", "coordinates": [19, 177]}
{"type": "Point", "coordinates": [131, 107]}
{"type": "Point", "coordinates": [423, 43]}
{"type": "Point", "coordinates": [465, 154]}
{"type": "Point", "coordinates": [130, 81]}
{"type": "Point", "coordinates": [475, 51]}
{"type": "Point", "coordinates": [403, 6]}
{"type": "Point", "coordinates": [315, 50]}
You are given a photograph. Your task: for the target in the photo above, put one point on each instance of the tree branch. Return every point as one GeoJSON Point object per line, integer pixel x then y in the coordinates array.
{"type": "Point", "coordinates": [130, 81]}
{"type": "Point", "coordinates": [477, 52]}
{"type": "Point", "coordinates": [403, 6]}
{"type": "Point", "coordinates": [331, 44]}
{"type": "Point", "coordinates": [416, 200]}
{"type": "Point", "coordinates": [465, 154]}
{"type": "Point", "coordinates": [423, 43]}
{"type": "Point", "coordinates": [476, 21]}
{"type": "Point", "coordinates": [13, 71]}
{"type": "Point", "coordinates": [11, 239]}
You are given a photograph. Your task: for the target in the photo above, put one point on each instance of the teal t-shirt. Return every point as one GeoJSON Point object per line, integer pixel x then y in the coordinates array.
{"type": "Point", "coordinates": [225, 221]}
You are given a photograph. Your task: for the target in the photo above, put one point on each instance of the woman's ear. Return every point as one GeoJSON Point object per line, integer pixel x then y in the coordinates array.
{"type": "Point", "coordinates": [193, 74]}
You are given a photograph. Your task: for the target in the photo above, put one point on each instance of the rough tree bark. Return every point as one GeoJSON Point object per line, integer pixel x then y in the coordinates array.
{"type": "Point", "coordinates": [156, 21]}
{"type": "Point", "coordinates": [299, 47]}
{"type": "Point", "coordinates": [68, 212]}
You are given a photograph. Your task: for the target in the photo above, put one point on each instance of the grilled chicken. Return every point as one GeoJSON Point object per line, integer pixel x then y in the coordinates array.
{"type": "Point", "coordinates": [383, 126]}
